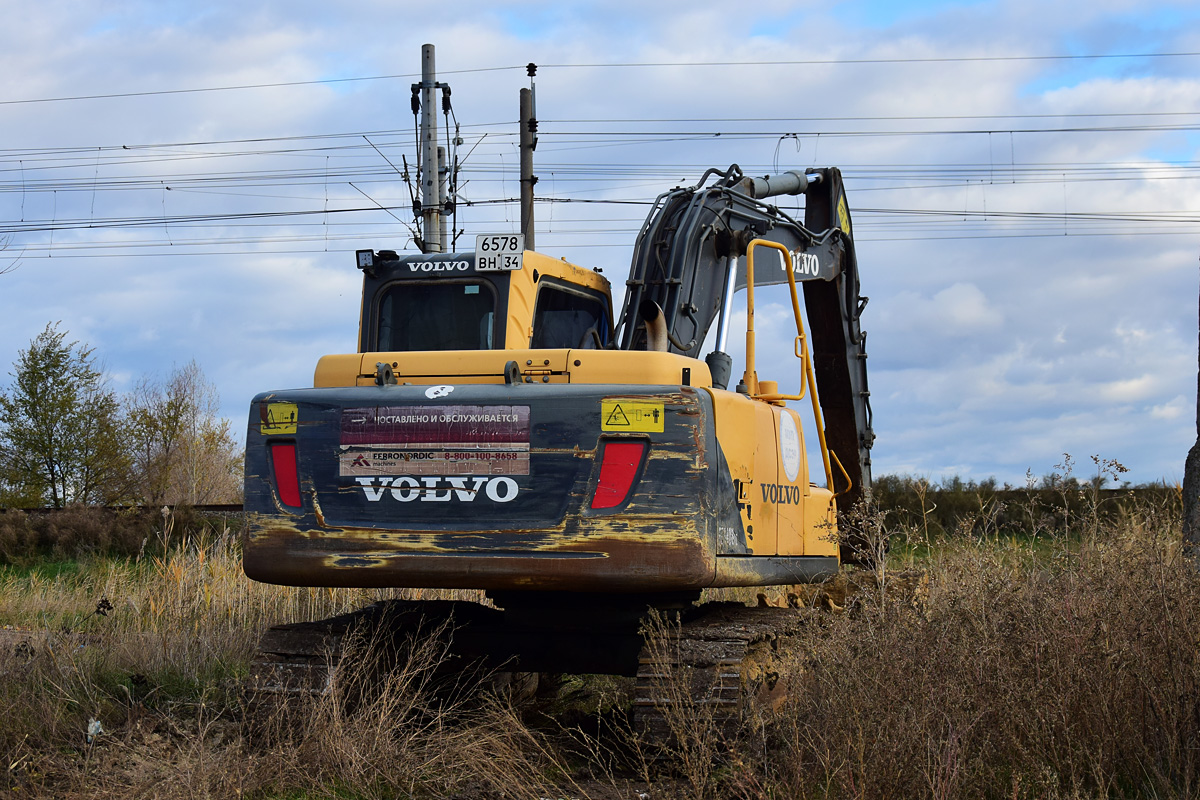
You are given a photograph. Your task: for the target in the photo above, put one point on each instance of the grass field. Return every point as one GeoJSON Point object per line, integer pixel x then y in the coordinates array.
{"type": "Point", "coordinates": [1053, 663]}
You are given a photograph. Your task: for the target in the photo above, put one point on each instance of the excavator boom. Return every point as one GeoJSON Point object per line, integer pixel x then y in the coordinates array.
{"type": "Point", "coordinates": [690, 257]}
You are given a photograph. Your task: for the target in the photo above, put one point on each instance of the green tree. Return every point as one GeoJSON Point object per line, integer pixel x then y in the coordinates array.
{"type": "Point", "coordinates": [60, 430]}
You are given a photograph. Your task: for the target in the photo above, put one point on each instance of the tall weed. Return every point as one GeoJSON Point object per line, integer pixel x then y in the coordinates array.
{"type": "Point", "coordinates": [1079, 674]}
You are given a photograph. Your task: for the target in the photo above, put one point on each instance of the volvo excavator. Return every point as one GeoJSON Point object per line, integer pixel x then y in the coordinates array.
{"type": "Point", "coordinates": [500, 429]}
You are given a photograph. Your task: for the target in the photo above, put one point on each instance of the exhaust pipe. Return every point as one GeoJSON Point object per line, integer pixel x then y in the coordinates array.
{"type": "Point", "coordinates": [791, 182]}
{"type": "Point", "coordinates": [657, 336]}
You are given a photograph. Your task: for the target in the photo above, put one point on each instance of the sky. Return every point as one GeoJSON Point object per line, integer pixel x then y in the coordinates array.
{"type": "Point", "coordinates": [186, 181]}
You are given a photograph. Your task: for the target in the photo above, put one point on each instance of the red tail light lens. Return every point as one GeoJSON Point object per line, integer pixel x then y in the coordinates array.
{"type": "Point", "coordinates": [619, 467]}
{"type": "Point", "coordinates": [287, 481]}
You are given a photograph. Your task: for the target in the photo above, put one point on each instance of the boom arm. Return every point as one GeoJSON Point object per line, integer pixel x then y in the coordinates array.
{"type": "Point", "coordinates": [689, 258]}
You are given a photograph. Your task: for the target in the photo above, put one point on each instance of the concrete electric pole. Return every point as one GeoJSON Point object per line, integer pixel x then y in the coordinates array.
{"type": "Point", "coordinates": [528, 144]}
{"type": "Point", "coordinates": [431, 199]}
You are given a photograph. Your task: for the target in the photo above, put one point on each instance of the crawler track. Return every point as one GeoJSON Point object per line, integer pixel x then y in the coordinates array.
{"type": "Point", "coordinates": [723, 664]}
{"type": "Point", "coordinates": [301, 659]}
{"type": "Point", "coordinates": [715, 666]}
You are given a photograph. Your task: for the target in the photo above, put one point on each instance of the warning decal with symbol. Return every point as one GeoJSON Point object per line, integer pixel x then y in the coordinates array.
{"type": "Point", "coordinates": [277, 418]}
{"type": "Point", "coordinates": [631, 415]}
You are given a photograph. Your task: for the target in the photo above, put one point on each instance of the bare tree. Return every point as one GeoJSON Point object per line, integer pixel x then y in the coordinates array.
{"type": "Point", "coordinates": [156, 419]}
{"type": "Point", "coordinates": [184, 451]}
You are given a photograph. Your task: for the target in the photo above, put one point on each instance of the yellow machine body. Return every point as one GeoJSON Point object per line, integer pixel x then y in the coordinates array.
{"type": "Point", "coordinates": [782, 515]}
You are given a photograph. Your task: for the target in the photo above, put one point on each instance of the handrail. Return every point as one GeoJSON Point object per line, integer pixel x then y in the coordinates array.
{"type": "Point", "coordinates": [846, 475]}
{"type": "Point", "coordinates": [808, 383]}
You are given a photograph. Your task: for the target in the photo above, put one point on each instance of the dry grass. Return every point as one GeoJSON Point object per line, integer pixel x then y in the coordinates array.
{"type": "Point", "coordinates": [1055, 667]}
{"type": "Point", "coordinates": [155, 649]}
{"type": "Point", "coordinates": [1075, 673]}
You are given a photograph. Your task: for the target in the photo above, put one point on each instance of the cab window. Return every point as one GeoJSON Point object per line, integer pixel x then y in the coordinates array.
{"type": "Point", "coordinates": [565, 316]}
{"type": "Point", "coordinates": [446, 315]}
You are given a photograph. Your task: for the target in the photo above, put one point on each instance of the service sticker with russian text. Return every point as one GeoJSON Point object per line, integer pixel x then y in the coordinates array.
{"type": "Point", "coordinates": [435, 440]}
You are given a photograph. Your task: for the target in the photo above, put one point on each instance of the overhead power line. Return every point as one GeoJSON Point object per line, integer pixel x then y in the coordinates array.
{"type": "Point", "coordinates": [609, 65]}
{"type": "Point", "coordinates": [835, 61]}
{"type": "Point", "coordinates": [154, 221]}
{"type": "Point", "coordinates": [277, 85]}
{"type": "Point", "coordinates": [286, 186]}
{"type": "Point", "coordinates": [872, 118]}
{"type": "Point", "coordinates": [353, 139]}
{"type": "Point", "coordinates": [167, 249]}
{"type": "Point", "coordinates": [1165, 126]}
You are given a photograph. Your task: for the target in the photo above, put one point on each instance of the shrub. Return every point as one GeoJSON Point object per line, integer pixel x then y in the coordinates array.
{"type": "Point", "coordinates": [73, 532]}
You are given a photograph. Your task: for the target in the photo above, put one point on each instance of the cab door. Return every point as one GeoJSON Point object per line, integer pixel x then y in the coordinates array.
{"type": "Point", "coordinates": [746, 432]}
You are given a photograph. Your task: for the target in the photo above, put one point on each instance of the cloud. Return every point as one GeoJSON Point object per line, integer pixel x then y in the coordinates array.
{"type": "Point", "coordinates": [1172, 410]}
{"type": "Point", "coordinates": [958, 310]}
{"type": "Point", "coordinates": [1033, 286]}
{"type": "Point", "coordinates": [1130, 389]}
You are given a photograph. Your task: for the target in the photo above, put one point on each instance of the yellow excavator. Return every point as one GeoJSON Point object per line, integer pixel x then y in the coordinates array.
{"type": "Point", "coordinates": [501, 429]}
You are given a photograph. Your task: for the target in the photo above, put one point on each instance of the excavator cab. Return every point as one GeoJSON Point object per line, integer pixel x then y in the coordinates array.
{"type": "Point", "coordinates": [447, 302]}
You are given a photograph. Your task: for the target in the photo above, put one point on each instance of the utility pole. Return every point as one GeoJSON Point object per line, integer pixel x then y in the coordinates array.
{"type": "Point", "coordinates": [1191, 492]}
{"type": "Point", "coordinates": [431, 199]}
{"type": "Point", "coordinates": [528, 144]}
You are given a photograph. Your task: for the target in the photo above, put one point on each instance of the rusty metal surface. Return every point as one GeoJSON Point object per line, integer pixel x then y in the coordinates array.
{"type": "Point", "coordinates": [367, 559]}
{"type": "Point", "coordinates": [535, 531]}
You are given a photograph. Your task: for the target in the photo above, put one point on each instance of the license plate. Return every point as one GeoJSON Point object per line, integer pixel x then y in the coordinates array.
{"type": "Point", "coordinates": [499, 252]}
